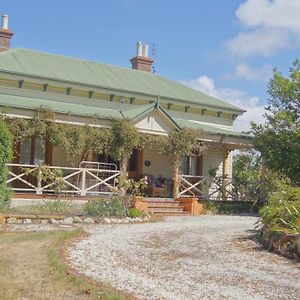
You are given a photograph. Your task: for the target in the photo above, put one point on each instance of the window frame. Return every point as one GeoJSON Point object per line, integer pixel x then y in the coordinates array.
{"type": "Point", "coordinates": [192, 164]}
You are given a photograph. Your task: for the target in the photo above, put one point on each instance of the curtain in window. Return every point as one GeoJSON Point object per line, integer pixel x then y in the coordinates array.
{"type": "Point", "coordinates": [193, 166]}
{"type": "Point", "coordinates": [184, 167]}
{"type": "Point", "coordinates": [39, 152]}
{"type": "Point", "coordinates": [25, 155]}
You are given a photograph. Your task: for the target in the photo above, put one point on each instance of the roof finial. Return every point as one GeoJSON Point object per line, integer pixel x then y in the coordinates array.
{"type": "Point", "coordinates": [157, 103]}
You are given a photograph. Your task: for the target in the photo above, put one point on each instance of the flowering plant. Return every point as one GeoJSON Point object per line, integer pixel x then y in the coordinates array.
{"type": "Point", "coordinates": [133, 187]}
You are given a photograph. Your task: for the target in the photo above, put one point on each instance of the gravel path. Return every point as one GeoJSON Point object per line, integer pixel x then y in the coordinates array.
{"type": "Point", "coordinates": [206, 257]}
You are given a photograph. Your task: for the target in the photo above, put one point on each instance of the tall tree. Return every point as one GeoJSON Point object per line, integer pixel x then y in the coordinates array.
{"type": "Point", "coordinates": [279, 138]}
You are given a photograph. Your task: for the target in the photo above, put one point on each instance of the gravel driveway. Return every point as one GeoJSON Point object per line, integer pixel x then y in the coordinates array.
{"type": "Point", "coordinates": [206, 257]}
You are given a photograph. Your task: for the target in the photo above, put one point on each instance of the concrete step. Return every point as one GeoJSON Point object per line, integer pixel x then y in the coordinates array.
{"type": "Point", "coordinates": [168, 207]}
{"type": "Point", "coordinates": [165, 209]}
{"type": "Point", "coordinates": [163, 204]}
{"type": "Point", "coordinates": [173, 213]}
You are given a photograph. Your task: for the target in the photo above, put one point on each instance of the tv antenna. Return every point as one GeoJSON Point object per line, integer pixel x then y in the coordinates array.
{"type": "Point", "coordinates": [153, 54]}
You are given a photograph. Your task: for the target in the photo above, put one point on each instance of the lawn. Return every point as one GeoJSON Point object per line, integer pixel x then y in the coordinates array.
{"type": "Point", "coordinates": [31, 268]}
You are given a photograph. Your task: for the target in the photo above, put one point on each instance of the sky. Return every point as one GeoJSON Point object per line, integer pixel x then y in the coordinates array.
{"type": "Point", "coordinates": [225, 48]}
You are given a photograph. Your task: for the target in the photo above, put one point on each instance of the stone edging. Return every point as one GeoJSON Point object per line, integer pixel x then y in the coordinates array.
{"type": "Point", "coordinates": [282, 243]}
{"type": "Point", "coordinates": [66, 220]}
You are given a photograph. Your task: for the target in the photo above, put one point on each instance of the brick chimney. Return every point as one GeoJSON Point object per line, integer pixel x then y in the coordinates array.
{"type": "Point", "coordinates": [141, 61]}
{"type": "Point", "coordinates": [5, 34]}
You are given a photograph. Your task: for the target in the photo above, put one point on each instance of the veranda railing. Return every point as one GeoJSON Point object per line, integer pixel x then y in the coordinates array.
{"type": "Point", "coordinates": [212, 188]}
{"type": "Point", "coordinates": [88, 179]}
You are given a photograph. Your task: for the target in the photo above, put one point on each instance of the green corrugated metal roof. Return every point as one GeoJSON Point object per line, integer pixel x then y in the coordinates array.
{"type": "Point", "coordinates": [60, 107]}
{"type": "Point", "coordinates": [56, 67]}
{"type": "Point", "coordinates": [208, 128]}
{"type": "Point", "coordinates": [84, 110]}
{"type": "Point", "coordinates": [138, 111]}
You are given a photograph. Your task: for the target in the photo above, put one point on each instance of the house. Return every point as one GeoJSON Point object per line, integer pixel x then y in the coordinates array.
{"type": "Point", "coordinates": [76, 90]}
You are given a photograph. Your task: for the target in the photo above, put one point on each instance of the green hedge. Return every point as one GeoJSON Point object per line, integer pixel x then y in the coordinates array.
{"type": "Point", "coordinates": [5, 157]}
{"type": "Point", "coordinates": [229, 207]}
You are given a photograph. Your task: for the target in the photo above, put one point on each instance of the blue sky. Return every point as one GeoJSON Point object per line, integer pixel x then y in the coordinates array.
{"type": "Point", "coordinates": [225, 48]}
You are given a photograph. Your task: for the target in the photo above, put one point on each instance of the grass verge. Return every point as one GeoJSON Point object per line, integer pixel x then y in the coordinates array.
{"type": "Point", "coordinates": [32, 267]}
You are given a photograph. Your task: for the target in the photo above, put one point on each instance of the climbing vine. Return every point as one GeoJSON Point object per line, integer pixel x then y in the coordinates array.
{"type": "Point", "coordinates": [119, 140]}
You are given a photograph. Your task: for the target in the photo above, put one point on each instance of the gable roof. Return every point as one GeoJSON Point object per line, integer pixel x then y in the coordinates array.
{"type": "Point", "coordinates": [139, 111]}
{"type": "Point", "coordinates": [55, 67]}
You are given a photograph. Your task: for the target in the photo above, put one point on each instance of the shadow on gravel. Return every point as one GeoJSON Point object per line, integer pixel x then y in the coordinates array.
{"type": "Point", "coordinates": [251, 241]}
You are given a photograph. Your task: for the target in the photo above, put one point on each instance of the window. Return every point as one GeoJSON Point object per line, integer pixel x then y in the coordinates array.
{"type": "Point", "coordinates": [190, 165]}
{"type": "Point", "coordinates": [32, 151]}
{"type": "Point", "coordinates": [25, 155]}
{"type": "Point", "coordinates": [103, 158]}
{"type": "Point", "coordinates": [133, 161]}
{"type": "Point", "coordinates": [39, 152]}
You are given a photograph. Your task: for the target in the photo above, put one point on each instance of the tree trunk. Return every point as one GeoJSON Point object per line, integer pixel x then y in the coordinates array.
{"type": "Point", "coordinates": [123, 175]}
{"type": "Point", "coordinates": [176, 177]}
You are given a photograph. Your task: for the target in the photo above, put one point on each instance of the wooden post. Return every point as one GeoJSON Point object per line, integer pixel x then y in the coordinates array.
{"type": "Point", "coordinates": [123, 174]}
{"type": "Point", "coordinates": [83, 182]}
{"type": "Point", "coordinates": [139, 164]}
{"type": "Point", "coordinates": [176, 178]}
{"type": "Point", "coordinates": [225, 162]}
{"type": "Point", "coordinates": [225, 173]}
{"type": "Point", "coordinates": [39, 180]}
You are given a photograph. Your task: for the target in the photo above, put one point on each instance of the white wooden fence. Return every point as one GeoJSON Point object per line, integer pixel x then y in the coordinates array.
{"type": "Point", "coordinates": [209, 188]}
{"type": "Point", "coordinates": [89, 179]}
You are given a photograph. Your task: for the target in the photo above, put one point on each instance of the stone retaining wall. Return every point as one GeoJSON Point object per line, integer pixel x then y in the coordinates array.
{"type": "Point", "coordinates": [282, 243]}
{"type": "Point", "coordinates": [62, 219]}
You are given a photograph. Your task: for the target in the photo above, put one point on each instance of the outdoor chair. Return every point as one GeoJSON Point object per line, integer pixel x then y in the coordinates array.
{"type": "Point", "coordinates": [156, 187]}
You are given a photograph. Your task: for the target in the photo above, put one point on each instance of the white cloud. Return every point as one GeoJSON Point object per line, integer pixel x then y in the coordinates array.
{"type": "Point", "coordinates": [253, 114]}
{"type": "Point", "coordinates": [247, 72]}
{"type": "Point", "coordinates": [236, 97]}
{"type": "Point", "coordinates": [268, 27]}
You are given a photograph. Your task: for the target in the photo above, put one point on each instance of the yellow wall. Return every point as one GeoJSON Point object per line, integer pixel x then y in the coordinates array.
{"type": "Point", "coordinates": [160, 164]}
{"type": "Point", "coordinates": [59, 158]}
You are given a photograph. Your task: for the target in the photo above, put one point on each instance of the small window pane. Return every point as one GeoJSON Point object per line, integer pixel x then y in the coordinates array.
{"type": "Point", "coordinates": [39, 152]}
{"type": "Point", "coordinates": [25, 156]}
{"type": "Point", "coordinates": [132, 161]}
{"type": "Point", "coordinates": [184, 168]}
{"type": "Point", "coordinates": [193, 165]}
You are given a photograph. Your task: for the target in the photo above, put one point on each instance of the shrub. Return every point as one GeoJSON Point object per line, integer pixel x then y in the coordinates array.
{"type": "Point", "coordinates": [135, 213]}
{"type": "Point", "coordinates": [5, 157]}
{"type": "Point", "coordinates": [229, 207]}
{"type": "Point", "coordinates": [283, 210]}
{"type": "Point", "coordinates": [211, 207]}
{"type": "Point", "coordinates": [293, 224]}
{"type": "Point", "coordinates": [55, 206]}
{"type": "Point", "coordinates": [106, 207]}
